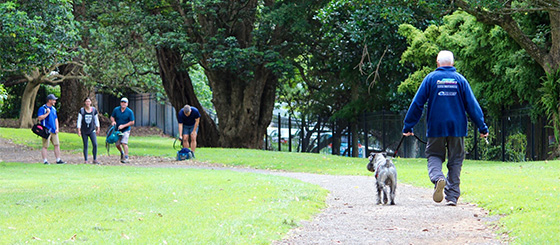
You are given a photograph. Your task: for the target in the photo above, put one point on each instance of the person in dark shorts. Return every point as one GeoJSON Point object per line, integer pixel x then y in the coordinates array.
{"type": "Point", "coordinates": [189, 119]}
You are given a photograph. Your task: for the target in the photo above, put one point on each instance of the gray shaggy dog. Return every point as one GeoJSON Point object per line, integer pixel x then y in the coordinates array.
{"type": "Point", "coordinates": [386, 176]}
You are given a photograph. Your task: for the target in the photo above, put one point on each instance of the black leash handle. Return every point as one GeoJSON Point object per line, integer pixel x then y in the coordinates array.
{"type": "Point", "coordinates": [400, 142]}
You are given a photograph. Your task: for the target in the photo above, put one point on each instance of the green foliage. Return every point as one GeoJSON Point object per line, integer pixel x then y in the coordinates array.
{"type": "Point", "coordinates": [500, 72]}
{"type": "Point", "coordinates": [550, 101]}
{"type": "Point", "coordinates": [201, 88]}
{"type": "Point", "coordinates": [354, 44]}
{"type": "Point", "coordinates": [12, 105]}
{"type": "Point", "coordinates": [515, 147]}
{"type": "Point", "coordinates": [116, 204]}
{"type": "Point", "coordinates": [36, 34]}
{"type": "Point", "coordinates": [3, 96]}
{"type": "Point", "coordinates": [119, 60]}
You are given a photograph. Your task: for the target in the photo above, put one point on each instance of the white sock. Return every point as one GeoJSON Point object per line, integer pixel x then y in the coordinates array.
{"type": "Point", "coordinates": [45, 160]}
{"type": "Point", "coordinates": [58, 159]}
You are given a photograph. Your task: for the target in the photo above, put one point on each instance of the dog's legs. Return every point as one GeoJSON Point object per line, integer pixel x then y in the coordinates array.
{"type": "Point", "coordinates": [393, 192]}
{"type": "Point", "coordinates": [385, 195]}
{"type": "Point", "coordinates": [379, 189]}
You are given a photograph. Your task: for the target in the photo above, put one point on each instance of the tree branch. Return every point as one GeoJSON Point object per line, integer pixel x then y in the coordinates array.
{"type": "Point", "coordinates": [511, 26]}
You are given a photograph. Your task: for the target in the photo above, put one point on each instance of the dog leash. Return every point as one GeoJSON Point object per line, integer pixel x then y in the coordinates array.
{"type": "Point", "coordinates": [175, 144]}
{"type": "Point", "coordinates": [400, 142]}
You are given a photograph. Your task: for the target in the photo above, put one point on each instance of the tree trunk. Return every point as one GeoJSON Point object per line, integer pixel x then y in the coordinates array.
{"type": "Point", "coordinates": [354, 130]}
{"type": "Point", "coordinates": [72, 95]}
{"type": "Point", "coordinates": [355, 90]}
{"type": "Point", "coordinates": [28, 103]}
{"type": "Point", "coordinates": [179, 89]}
{"type": "Point", "coordinates": [244, 107]}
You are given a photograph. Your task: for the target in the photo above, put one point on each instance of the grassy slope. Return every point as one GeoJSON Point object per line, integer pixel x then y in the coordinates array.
{"type": "Point", "coordinates": [100, 204]}
{"type": "Point", "coordinates": [527, 193]}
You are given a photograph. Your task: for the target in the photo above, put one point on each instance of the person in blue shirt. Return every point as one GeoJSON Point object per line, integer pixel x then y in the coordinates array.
{"type": "Point", "coordinates": [123, 118]}
{"type": "Point", "coordinates": [450, 99]}
{"type": "Point", "coordinates": [189, 119]}
{"type": "Point", "coordinates": [48, 117]}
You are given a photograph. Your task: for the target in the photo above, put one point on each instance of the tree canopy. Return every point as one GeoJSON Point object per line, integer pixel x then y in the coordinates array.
{"type": "Point", "coordinates": [331, 59]}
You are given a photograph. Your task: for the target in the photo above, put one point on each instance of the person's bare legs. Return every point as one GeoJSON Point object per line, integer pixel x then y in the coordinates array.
{"type": "Point", "coordinates": [44, 152]}
{"type": "Point", "coordinates": [193, 143]}
{"type": "Point", "coordinates": [186, 141]}
{"type": "Point", "coordinates": [125, 147]}
{"type": "Point", "coordinates": [57, 151]}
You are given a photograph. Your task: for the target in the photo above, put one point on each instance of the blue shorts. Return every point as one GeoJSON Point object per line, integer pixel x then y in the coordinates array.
{"type": "Point", "coordinates": [188, 129]}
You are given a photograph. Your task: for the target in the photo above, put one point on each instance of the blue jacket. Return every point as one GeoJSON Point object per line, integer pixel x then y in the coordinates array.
{"type": "Point", "coordinates": [449, 98]}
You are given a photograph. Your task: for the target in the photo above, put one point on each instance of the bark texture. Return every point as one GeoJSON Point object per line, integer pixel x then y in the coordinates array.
{"type": "Point", "coordinates": [179, 89]}
{"type": "Point", "coordinates": [244, 107]}
{"type": "Point", "coordinates": [72, 95]}
{"type": "Point", "coordinates": [28, 103]}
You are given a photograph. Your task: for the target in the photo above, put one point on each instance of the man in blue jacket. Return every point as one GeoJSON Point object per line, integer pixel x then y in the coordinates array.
{"type": "Point", "coordinates": [450, 98]}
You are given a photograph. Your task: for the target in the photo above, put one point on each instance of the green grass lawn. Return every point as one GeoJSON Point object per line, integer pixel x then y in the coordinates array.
{"type": "Point", "coordinates": [116, 204]}
{"type": "Point", "coordinates": [525, 194]}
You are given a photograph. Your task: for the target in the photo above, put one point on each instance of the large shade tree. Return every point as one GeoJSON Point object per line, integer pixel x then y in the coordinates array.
{"type": "Point", "coordinates": [37, 40]}
{"type": "Point", "coordinates": [541, 42]}
{"type": "Point", "coordinates": [352, 65]}
{"type": "Point", "coordinates": [244, 48]}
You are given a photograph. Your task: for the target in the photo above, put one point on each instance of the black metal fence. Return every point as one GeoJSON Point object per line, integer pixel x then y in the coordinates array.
{"type": "Point", "coordinates": [147, 111]}
{"type": "Point", "coordinates": [513, 136]}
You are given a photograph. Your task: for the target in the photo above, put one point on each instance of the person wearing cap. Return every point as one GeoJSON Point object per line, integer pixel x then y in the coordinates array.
{"type": "Point", "coordinates": [450, 98]}
{"type": "Point", "coordinates": [123, 118]}
{"type": "Point", "coordinates": [48, 117]}
{"type": "Point", "coordinates": [188, 119]}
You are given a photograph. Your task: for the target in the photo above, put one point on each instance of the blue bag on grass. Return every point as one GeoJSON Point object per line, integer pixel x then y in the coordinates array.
{"type": "Point", "coordinates": [184, 154]}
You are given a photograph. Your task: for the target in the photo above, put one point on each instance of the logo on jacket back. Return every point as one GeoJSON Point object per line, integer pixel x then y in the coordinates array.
{"type": "Point", "coordinates": [447, 83]}
{"type": "Point", "coordinates": [446, 93]}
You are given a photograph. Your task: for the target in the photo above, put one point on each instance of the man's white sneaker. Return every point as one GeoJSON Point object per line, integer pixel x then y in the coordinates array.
{"type": "Point", "coordinates": [438, 190]}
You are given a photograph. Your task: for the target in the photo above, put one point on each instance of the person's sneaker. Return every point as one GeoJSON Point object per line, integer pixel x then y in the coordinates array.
{"type": "Point", "coordinates": [96, 162]}
{"type": "Point", "coordinates": [60, 162]}
{"type": "Point", "coordinates": [125, 160]}
{"type": "Point", "coordinates": [122, 157]}
{"type": "Point", "coordinates": [438, 190]}
{"type": "Point", "coordinates": [450, 203]}
{"type": "Point", "coordinates": [45, 162]}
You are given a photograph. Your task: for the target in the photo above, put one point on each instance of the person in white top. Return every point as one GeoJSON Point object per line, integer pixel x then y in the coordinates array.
{"type": "Point", "coordinates": [88, 125]}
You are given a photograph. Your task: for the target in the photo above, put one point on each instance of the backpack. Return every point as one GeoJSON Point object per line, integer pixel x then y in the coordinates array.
{"type": "Point", "coordinates": [40, 129]}
{"type": "Point", "coordinates": [112, 137]}
{"type": "Point", "coordinates": [184, 154]}
{"type": "Point", "coordinates": [83, 111]}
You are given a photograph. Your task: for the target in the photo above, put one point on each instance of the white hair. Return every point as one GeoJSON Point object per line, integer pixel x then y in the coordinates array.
{"type": "Point", "coordinates": [445, 57]}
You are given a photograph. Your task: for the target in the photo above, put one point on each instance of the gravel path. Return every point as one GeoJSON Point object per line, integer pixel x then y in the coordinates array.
{"type": "Point", "coordinates": [351, 216]}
